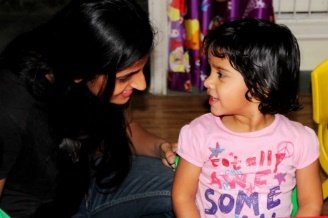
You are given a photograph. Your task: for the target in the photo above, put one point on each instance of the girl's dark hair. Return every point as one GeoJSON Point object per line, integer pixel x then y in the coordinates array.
{"type": "Point", "coordinates": [87, 38]}
{"type": "Point", "coordinates": [267, 56]}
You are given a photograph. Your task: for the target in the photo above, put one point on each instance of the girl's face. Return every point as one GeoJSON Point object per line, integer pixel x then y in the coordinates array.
{"type": "Point", "coordinates": [226, 89]}
{"type": "Point", "coordinates": [126, 81]}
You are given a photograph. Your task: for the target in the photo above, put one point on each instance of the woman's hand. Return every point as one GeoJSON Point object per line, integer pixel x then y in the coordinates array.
{"type": "Point", "coordinates": [146, 143]}
{"type": "Point", "coordinates": [168, 153]}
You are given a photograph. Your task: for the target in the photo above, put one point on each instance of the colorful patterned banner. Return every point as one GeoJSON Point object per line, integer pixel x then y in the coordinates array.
{"type": "Point", "coordinates": [189, 21]}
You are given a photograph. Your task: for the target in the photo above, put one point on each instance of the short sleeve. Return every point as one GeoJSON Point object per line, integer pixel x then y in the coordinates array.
{"type": "Point", "coordinates": [308, 150]}
{"type": "Point", "coordinates": [189, 146]}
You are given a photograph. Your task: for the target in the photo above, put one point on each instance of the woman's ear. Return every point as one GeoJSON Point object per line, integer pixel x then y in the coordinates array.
{"type": "Point", "coordinates": [78, 80]}
{"type": "Point", "coordinates": [50, 77]}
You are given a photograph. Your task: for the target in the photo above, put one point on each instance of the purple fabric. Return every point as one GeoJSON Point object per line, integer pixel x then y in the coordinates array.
{"type": "Point", "coordinates": [261, 9]}
{"type": "Point", "coordinates": [189, 22]}
{"type": "Point", "coordinates": [179, 70]}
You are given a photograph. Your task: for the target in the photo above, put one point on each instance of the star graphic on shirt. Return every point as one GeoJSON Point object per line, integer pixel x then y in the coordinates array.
{"type": "Point", "coordinates": [250, 189]}
{"type": "Point", "coordinates": [280, 177]}
{"type": "Point", "coordinates": [216, 151]}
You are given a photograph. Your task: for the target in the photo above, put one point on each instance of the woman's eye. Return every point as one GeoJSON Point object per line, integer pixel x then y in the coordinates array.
{"type": "Point", "coordinates": [123, 78]}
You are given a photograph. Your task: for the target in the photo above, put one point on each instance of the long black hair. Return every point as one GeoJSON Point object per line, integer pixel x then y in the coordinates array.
{"type": "Point", "coordinates": [87, 38]}
{"type": "Point", "coordinates": [267, 56]}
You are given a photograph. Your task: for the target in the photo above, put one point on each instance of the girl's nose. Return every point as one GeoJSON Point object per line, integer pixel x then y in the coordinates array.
{"type": "Point", "coordinates": [208, 82]}
{"type": "Point", "coordinates": [138, 81]}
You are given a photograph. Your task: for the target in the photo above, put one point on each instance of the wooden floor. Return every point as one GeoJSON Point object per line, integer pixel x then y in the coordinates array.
{"type": "Point", "coordinates": [165, 115]}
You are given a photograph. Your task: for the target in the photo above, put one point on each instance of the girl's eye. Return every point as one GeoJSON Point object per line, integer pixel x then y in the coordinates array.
{"type": "Point", "coordinates": [220, 75]}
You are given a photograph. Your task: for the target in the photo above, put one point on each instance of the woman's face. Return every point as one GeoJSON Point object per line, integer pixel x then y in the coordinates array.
{"type": "Point", "coordinates": [126, 81]}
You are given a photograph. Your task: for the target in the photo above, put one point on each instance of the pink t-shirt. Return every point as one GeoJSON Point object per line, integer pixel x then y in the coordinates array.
{"type": "Point", "coordinates": [249, 174]}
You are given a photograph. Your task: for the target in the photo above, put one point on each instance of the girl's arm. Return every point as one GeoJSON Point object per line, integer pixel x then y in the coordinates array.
{"type": "Point", "coordinates": [185, 185]}
{"type": "Point", "coordinates": [309, 191]}
{"type": "Point", "coordinates": [146, 143]}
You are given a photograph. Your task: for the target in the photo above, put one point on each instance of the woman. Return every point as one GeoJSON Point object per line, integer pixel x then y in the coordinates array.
{"type": "Point", "coordinates": [64, 109]}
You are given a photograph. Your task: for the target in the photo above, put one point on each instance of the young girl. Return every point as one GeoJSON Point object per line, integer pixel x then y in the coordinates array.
{"type": "Point", "coordinates": [68, 145]}
{"type": "Point", "coordinates": [244, 158]}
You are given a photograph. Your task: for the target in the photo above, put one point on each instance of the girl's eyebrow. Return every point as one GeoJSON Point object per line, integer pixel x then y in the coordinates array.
{"type": "Point", "coordinates": [218, 67]}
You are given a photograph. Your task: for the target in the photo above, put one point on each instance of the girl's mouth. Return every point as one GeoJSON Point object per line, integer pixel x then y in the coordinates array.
{"type": "Point", "coordinates": [212, 100]}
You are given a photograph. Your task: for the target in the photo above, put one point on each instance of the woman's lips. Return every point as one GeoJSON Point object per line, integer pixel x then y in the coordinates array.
{"type": "Point", "coordinates": [127, 93]}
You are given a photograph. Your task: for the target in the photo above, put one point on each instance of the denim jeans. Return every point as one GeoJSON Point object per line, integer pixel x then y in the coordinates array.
{"type": "Point", "coordinates": [146, 192]}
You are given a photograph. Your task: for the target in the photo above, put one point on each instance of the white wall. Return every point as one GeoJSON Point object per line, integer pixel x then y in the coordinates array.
{"type": "Point", "coordinates": [159, 57]}
{"type": "Point", "coordinates": [308, 20]}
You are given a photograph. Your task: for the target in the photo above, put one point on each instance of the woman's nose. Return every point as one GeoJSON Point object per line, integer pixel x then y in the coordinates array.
{"type": "Point", "coordinates": [138, 81]}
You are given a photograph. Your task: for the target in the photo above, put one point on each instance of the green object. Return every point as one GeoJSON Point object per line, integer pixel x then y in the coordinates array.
{"type": "Point", "coordinates": [176, 161]}
{"type": "Point", "coordinates": [3, 214]}
{"type": "Point", "coordinates": [294, 192]}
{"type": "Point", "coordinates": [294, 201]}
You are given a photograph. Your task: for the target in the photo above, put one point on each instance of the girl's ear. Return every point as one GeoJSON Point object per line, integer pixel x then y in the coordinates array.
{"type": "Point", "coordinates": [78, 80]}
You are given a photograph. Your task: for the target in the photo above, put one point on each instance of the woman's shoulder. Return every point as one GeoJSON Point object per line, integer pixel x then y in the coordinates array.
{"type": "Point", "coordinates": [15, 99]}
{"type": "Point", "coordinates": [13, 90]}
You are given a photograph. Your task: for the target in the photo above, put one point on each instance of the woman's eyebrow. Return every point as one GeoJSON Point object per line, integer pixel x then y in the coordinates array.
{"type": "Point", "coordinates": [129, 74]}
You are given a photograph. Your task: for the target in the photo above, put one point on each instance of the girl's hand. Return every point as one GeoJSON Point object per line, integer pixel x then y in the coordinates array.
{"type": "Point", "coordinates": [168, 153]}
